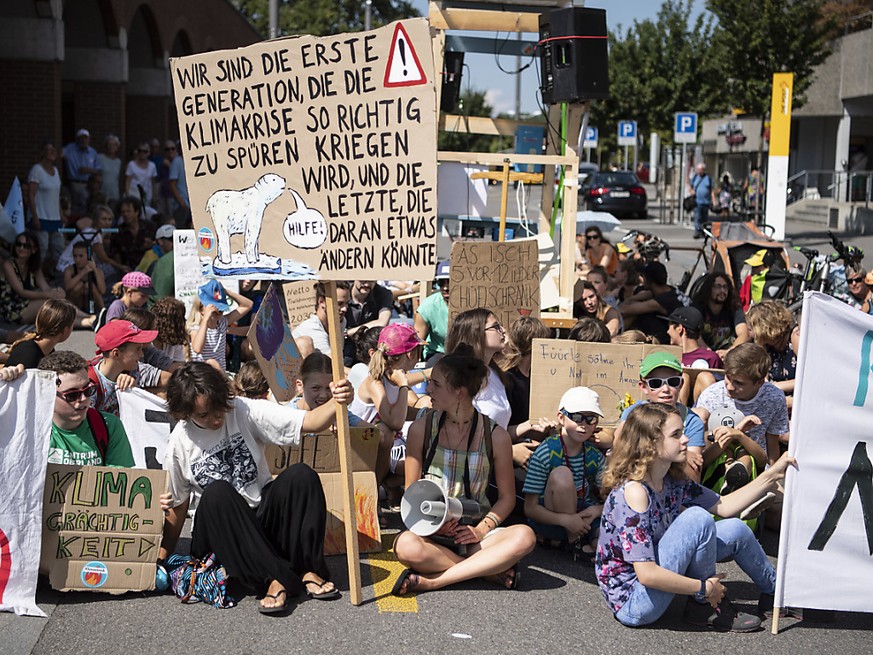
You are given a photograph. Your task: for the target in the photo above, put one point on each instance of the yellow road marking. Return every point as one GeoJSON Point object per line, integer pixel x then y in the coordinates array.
{"type": "Point", "coordinates": [389, 571]}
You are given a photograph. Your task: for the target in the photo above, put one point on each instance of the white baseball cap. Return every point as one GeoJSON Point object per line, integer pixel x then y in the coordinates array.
{"type": "Point", "coordinates": [165, 232]}
{"type": "Point", "coordinates": [581, 399]}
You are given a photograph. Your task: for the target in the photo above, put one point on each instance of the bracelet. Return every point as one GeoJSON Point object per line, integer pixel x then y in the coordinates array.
{"type": "Point", "coordinates": [493, 517]}
{"type": "Point", "coordinates": [424, 375]}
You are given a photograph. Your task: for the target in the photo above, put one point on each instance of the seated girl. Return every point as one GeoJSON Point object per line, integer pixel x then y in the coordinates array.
{"type": "Point", "coordinates": [459, 448]}
{"type": "Point", "coordinates": [650, 549]}
{"type": "Point", "coordinates": [268, 534]}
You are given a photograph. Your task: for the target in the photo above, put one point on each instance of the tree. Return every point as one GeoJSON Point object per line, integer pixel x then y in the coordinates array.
{"type": "Point", "coordinates": [322, 17]}
{"type": "Point", "coordinates": [657, 68]}
{"type": "Point", "coordinates": [762, 37]}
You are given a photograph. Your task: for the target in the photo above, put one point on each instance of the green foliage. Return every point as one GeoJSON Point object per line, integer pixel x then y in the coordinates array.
{"type": "Point", "coordinates": [472, 103]}
{"type": "Point", "coordinates": [657, 68]}
{"type": "Point", "coordinates": [323, 17]}
{"type": "Point", "coordinates": [762, 37]}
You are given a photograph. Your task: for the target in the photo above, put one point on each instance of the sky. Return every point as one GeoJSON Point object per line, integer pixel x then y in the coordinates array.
{"type": "Point", "coordinates": [481, 72]}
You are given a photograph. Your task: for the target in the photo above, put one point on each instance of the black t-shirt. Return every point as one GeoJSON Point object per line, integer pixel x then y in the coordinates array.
{"type": "Point", "coordinates": [720, 330]}
{"type": "Point", "coordinates": [27, 353]}
{"type": "Point", "coordinates": [518, 394]}
{"type": "Point", "coordinates": [652, 324]}
{"type": "Point", "coordinates": [380, 298]}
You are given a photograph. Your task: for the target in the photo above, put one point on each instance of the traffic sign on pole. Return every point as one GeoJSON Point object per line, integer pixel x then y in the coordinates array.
{"type": "Point", "coordinates": [685, 127]}
{"type": "Point", "coordinates": [627, 133]}
{"type": "Point", "coordinates": [590, 138]}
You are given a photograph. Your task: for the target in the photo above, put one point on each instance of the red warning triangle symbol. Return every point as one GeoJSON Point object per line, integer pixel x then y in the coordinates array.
{"type": "Point", "coordinates": [403, 67]}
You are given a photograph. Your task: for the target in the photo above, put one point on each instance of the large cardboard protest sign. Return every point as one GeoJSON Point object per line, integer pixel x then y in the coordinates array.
{"type": "Point", "coordinates": [274, 347]}
{"type": "Point", "coordinates": [503, 277]}
{"type": "Point", "coordinates": [148, 425]}
{"type": "Point", "coordinates": [321, 453]}
{"type": "Point", "coordinates": [826, 545]}
{"type": "Point", "coordinates": [299, 301]}
{"type": "Point", "coordinates": [24, 442]}
{"type": "Point", "coordinates": [101, 527]}
{"type": "Point", "coordinates": [313, 157]}
{"type": "Point", "coordinates": [612, 370]}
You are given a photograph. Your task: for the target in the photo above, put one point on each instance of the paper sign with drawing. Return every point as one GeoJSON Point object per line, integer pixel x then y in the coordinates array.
{"type": "Point", "coordinates": [313, 157]}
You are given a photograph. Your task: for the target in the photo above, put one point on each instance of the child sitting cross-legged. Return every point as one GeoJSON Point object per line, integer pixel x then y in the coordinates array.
{"type": "Point", "coordinates": [561, 497]}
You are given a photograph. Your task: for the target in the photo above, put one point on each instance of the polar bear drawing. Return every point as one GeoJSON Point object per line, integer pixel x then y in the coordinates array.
{"type": "Point", "coordinates": [242, 212]}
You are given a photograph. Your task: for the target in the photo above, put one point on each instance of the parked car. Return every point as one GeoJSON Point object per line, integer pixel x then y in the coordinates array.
{"type": "Point", "coordinates": [617, 192]}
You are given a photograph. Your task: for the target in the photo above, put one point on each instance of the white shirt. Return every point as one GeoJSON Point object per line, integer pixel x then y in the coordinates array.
{"type": "Point", "coordinates": [313, 328]}
{"type": "Point", "coordinates": [234, 453]}
{"type": "Point", "coordinates": [48, 193]}
{"type": "Point", "coordinates": [492, 401]}
{"type": "Point", "coordinates": [143, 176]}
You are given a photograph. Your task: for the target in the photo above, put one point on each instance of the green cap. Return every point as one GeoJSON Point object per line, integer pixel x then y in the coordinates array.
{"type": "Point", "coordinates": [654, 360]}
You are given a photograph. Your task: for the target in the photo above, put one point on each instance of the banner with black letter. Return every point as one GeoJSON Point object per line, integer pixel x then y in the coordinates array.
{"type": "Point", "coordinates": [826, 547]}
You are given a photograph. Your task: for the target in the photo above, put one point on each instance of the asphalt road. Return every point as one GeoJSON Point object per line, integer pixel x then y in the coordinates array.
{"type": "Point", "coordinates": [558, 607]}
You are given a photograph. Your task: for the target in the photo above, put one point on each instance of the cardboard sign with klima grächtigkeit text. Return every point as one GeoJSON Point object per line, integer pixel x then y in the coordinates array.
{"type": "Point", "coordinates": [101, 527]}
{"type": "Point", "coordinates": [313, 157]}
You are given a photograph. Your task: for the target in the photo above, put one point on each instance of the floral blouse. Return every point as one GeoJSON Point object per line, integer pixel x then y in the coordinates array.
{"type": "Point", "coordinates": [627, 536]}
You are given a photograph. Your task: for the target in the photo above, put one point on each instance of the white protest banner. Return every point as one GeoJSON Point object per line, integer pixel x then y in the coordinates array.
{"type": "Point", "coordinates": [826, 543]}
{"type": "Point", "coordinates": [25, 425]}
{"type": "Point", "coordinates": [148, 425]}
{"type": "Point", "coordinates": [186, 267]}
{"type": "Point", "coordinates": [313, 157]}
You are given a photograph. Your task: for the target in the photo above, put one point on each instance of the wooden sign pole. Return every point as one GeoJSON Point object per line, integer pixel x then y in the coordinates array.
{"type": "Point", "coordinates": [504, 176]}
{"type": "Point", "coordinates": [345, 447]}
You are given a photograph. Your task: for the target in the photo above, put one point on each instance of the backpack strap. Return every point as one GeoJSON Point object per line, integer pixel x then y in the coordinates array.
{"type": "Point", "coordinates": [95, 380]}
{"type": "Point", "coordinates": [429, 445]}
{"type": "Point", "coordinates": [100, 431]}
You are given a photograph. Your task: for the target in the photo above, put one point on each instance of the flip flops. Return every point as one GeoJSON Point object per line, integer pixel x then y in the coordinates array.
{"type": "Point", "coordinates": [333, 594]}
{"type": "Point", "coordinates": [411, 579]}
{"type": "Point", "coordinates": [276, 609]}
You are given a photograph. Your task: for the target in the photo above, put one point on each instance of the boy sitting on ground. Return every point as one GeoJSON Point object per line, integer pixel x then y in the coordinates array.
{"type": "Point", "coordinates": [661, 381]}
{"type": "Point", "coordinates": [684, 328]}
{"type": "Point", "coordinates": [121, 344]}
{"type": "Point", "coordinates": [561, 491]}
{"type": "Point", "coordinates": [81, 435]}
{"type": "Point", "coordinates": [745, 387]}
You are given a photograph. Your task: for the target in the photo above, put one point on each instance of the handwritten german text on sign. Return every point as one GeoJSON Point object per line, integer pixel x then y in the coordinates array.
{"type": "Point", "coordinates": [313, 157]}
{"type": "Point", "coordinates": [101, 527]}
{"type": "Point", "coordinates": [502, 277]}
{"type": "Point", "coordinates": [612, 370]}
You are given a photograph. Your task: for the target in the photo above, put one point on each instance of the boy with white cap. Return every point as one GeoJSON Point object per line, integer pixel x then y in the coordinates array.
{"type": "Point", "coordinates": [562, 501]}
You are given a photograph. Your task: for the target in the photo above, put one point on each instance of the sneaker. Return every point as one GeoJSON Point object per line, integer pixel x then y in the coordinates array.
{"type": "Point", "coordinates": [735, 476]}
{"type": "Point", "coordinates": [724, 618]}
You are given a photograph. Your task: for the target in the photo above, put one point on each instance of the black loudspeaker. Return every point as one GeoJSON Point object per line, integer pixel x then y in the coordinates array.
{"type": "Point", "coordinates": [574, 55]}
{"type": "Point", "coordinates": [453, 65]}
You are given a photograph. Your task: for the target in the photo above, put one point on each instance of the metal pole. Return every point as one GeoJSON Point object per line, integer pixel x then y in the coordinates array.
{"type": "Point", "coordinates": [517, 81]}
{"type": "Point", "coordinates": [274, 18]}
{"type": "Point", "coordinates": [368, 15]}
{"type": "Point", "coordinates": [681, 192]}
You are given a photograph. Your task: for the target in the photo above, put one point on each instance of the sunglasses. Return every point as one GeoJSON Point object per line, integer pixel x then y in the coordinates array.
{"type": "Point", "coordinates": [579, 417]}
{"type": "Point", "coordinates": [77, 395]}
{"type": "Point", "coordinates": [591, 236]}
{"type": "Point", "coordinates": [22, 244]}
{"type": "Point", "coordinates": [142, 150]}
{"type": "Point", "coordinates": [855, 280]}
{"type": "Point", "coordinates": [656, 383]}
{"type": "Point", "coordinates": [496, 327]}
{"type": "Point", "coordinates": [170, 148]}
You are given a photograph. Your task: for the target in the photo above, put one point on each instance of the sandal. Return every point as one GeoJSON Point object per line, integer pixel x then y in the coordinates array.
{"type": "Point", "coordinates": [513, 576]}
{"type": "Point", "coordinates": [410, 579]}
{"type": "Point", "coordinates": [275, 609]}
{"type": "Point", "coordinates": [332, 594]}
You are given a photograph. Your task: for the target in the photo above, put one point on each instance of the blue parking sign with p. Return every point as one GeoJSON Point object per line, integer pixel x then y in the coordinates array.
{"type": "Point", "coordinates": [685, 127]}
{"type": "Point", "coordinates": [627, 133]}
{"type": "Point", "coordinates": [590, 138]}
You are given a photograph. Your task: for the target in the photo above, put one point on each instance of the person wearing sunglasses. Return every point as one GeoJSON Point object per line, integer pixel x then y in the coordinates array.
{"type": "Point", "coordinates": [76, 428]}
{"type": "Point", "coordinates": [561, 498]}
{"type": "Point", "coordinates": [141, 173]}
{"type": "Point", "coordinates": [598, 251]}
{"type": "Point", "coordinates": [23, 287]}
{"type": "Point", "coordinates": [432, 315]}
{"type": "Point", "coordinates": [660, 382]}
{"type": "Point", "coordinates": [856, 278]}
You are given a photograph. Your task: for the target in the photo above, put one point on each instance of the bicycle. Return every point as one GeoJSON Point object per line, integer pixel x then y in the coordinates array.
{"type": "Point", "coordinates": [647, 247]}
{"type": "Point", "coordinates": [820, 274]}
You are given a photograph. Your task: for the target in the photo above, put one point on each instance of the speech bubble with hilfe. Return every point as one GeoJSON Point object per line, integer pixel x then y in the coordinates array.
{"type": "Point", "coordinates": [304, 228]}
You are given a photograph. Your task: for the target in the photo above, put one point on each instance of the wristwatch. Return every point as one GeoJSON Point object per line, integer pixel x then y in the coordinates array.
{"type": "Point", "coordinates": [701, 595]}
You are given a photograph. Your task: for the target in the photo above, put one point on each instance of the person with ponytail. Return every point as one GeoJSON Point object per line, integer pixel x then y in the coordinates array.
{"type": "Point", "coordinates": [460, 449]}
{"type": "Point", "coordinates": [54, 324]}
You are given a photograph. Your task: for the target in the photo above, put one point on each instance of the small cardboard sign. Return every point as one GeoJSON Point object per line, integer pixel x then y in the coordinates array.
{"type": "Point", "coordinates": [299, 301]}
{"type": "Point", "coordinates": [503, 277]}
{"type": "Point", "coordinates": [274, 346]}
{"type": "Point", "coordinates": [321, 453]}
{"type": "Point", "coordinates": [610, 369]}
{"type": "Point", "coordinates": [101, 528]}
{"type": "Point", "coordinates": [313, 157]}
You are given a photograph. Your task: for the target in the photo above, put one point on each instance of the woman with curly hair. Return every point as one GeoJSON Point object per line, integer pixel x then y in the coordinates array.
{"type": "Point", "coordinates": [650, 549]}
{"type": "Point", "coordinates": [172, 338]}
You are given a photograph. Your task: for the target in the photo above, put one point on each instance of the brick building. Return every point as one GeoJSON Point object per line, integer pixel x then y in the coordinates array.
{"type": "Point", "coordinates": [98, 64]}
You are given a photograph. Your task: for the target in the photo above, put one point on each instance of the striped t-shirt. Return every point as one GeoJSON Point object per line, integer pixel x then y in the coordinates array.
{"type": "Point", "coordinates": [215, 346]}
{"type": "Point", "coordinates": [587, 467]}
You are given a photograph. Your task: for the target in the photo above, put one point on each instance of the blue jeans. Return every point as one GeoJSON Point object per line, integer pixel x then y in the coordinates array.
{"type": "Point", "coordinates": [701, 215]}
{"type": "Point", "coordinates": [691, 546]}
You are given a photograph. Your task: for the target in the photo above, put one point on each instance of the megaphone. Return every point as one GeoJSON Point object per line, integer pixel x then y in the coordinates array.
{"type": "Point", "coordinates": [425, 508]}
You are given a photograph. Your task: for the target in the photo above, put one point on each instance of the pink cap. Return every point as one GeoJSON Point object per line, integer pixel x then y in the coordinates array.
{"type": "Point", "coordinates": [137, 280]}
{"type": "Point", "coordinates": [398, 338]}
